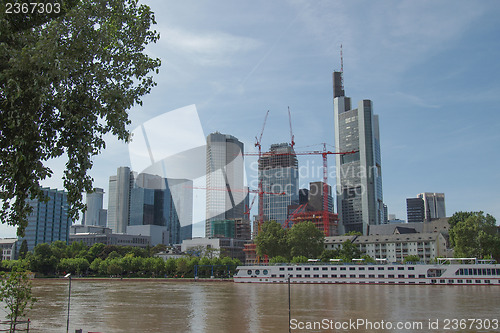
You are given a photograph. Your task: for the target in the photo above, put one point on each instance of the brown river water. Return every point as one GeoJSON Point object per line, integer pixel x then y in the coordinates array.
{"type": "Point", "coordinates": [173, 306]}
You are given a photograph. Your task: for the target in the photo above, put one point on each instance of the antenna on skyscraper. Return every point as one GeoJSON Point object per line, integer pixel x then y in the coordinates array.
{"type": "Point", "coordinates": [341, 69]}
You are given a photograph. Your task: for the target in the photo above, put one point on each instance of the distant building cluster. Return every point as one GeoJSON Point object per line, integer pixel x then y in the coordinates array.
{"type": "Point", "coordinates": [146, 209]}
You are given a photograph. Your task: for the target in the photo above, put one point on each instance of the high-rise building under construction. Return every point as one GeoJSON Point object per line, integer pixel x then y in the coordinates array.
{"type": "Point", "coordinates": [359, 175]}
{"type": "Point", "coordinates": [279, 174]}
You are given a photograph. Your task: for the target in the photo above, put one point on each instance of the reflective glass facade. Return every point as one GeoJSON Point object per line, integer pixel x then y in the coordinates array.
{"type": "Point", "coordinates": [278, 171]}
{"type": "Point", "coordinates": [49, 221]}
{"type": "Point", "coordinates": [226, 194]}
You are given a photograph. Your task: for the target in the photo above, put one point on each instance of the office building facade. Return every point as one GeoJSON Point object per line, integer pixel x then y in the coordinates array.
{"type": "Point", "coordinates": [434, 205]}
{"type": "Point", "coordinates": [315, 197]}
{"type": "Point", "coordinates": [49, 221]}
{"type": "Point", "coordinates": [144, 199]}
{"type": "Point", "coordinates": [278, 172]}
{"type": "Point", "coordinates": [226, 193]}
{"type": "Point", "coordinates": [359, 175]}
{"type": "Point", "coordinates": [415, 211]}
{"type": "Point", "coordinates": [120, 186]}
{"type": "Point", "coordinates": [95, 214]}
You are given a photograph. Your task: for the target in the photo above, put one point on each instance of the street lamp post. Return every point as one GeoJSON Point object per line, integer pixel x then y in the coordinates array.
{"type": "Point", "coordinates": [69, 299]}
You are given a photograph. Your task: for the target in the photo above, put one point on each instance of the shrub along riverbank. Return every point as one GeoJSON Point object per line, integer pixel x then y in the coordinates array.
{"type": "Point", "coordinates": [102, 260]}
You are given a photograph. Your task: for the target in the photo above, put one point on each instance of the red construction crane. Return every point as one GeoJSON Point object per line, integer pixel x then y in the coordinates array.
{"type": "Point", "coordinates": [261, 191]}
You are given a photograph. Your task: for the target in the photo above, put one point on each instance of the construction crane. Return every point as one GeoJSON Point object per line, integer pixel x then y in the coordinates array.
{"type": "Point", "coordinates": [258, 142]}
{"type": "Point", "coordinates": [324, 153]}
{"type": "Point", "coordinates": [298, 210]}
{"type": "Point", "coordinates": [292, 139]}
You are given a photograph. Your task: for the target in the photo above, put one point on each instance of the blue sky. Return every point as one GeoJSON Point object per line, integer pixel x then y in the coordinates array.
{"type": "Point", "coordinates": [431, 69]}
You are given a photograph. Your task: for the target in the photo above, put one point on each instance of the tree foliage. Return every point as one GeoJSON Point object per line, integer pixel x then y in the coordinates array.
{"type": "Point", "coordinates": [15, 292]}
{"type": "Point", "coordinates": [349, 251]}
{"type": "Point", "coordinates": [304, 239]}
{"type": "Point", "coordinates": [412, 258]}
{"type": "Point", "coordinates": [66, 80]}
{"type": "Point", "coordinates": [474, 234]}
{"type": "Point", "coordinates": [271, 240]}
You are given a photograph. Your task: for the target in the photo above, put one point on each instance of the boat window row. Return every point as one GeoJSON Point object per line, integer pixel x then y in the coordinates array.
{"type": "Point", "coordinates": [258, 272]}
{"type": "Point", "coordinates": [360, 276]}
{"type": "Point", "coordinates": [351, 268]}
{"type": "Point", "coordinates": [478, 271]}
{"type": "Point", "coordinates": [460, 281]}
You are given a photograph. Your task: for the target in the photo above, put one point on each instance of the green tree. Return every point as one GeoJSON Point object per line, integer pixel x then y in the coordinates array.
{"type": "Point", "coordinates": [95, 265]}
{"type": "Point", "coordinates": [299, 260]}
{"type": "Point", "coordinates": [271, 240]}
{"type": "Point", "coordinates": [94, 251]}
{"type": "Point", "coordinates": [114, 266]}
{"type": "Point", "coordinates": [59, 249]}
{"type": "Point", "coordinates": [304, 239]}
{"type": "Point", "coordinates": [181, 266]}
{"type": "Point", "coordinates": [171, 266]}
{"type": "Point", "coordinates": [353, 233]}
{"type": "Point", "coordinates": [43, 260]}
{"type": "Point", "coordinates": [77, 249]}
{"type": "Point", "coordinates": [15, 292]}
{"type": "Point", "coordinates": [412, 258]}
{"type": "Point", "coordinates": [454, 220]}
{"type": "Point", "coordinates": [73, 265]}
{"type": "Point", "coordinates": [367, 259]}
{"type": "Point", "coordinates": [475, 235]}
{"type": "Point", "coordinates": [278, 260]}
{"type": "Point", "coordinates": [349, 251]}
{"type": "Point", "coordinates": [23, 249]}
{"type": "Point", "coordinates": [157, 249]}
{"type": "Point", "coordinates": [66, 81]}
{"type": "Point", "coordinates": [113, 255]}
{"type": "Point", "coordinates": [326, 255]}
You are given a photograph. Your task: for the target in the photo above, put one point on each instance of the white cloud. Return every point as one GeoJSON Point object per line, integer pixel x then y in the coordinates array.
{"type": "Point", "coordinates": [207, 48]}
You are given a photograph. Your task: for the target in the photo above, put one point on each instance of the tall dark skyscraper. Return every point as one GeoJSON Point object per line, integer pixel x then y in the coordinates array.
{"type": "Point", "coordinates": [359, 175]}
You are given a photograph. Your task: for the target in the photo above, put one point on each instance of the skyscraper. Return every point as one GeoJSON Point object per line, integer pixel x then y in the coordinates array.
{"type": "Point", "coordinates": [225, 193]}
{"type": "Point", "coordinates": [415, 210]}
{"type": "Point", "coordinates": [119, 200]}
{"type": "Point", "coordinates": [279, 174]}
{"type": "Point", "coordinates": [434, 205]}
{"type": "Point", "coordinates": [95, 215]}
{"type": "Point", "coordinates": [359, 175]}
{"type": "Point", "coordinates": [49, 221]}
{"type": "Point", "coordinates": [163, 202]}
{"type": "Point", "coordinates": [315, 198]}
{"type": "Point", "coordinates": [145, 199]}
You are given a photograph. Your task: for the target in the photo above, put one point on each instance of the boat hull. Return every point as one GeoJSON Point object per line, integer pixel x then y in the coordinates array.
{"type": "Point", "coordinates": [418, 274]}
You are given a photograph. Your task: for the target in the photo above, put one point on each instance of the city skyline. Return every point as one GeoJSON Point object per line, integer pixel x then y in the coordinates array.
{"type": "Point", "coordinates": [433, 79]}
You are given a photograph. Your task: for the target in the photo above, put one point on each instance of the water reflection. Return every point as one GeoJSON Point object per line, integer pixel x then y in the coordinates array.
{"type": "Point", "coordinates": [162, 306]}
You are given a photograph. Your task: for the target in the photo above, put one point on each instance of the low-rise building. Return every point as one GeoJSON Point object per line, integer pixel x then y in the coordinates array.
{"type": "Point", "coordinates": [157, 233]}
{"type": "Point", "coordinates": [229, 247]}
{"type": "Point", "coordinates": [8, 248]}
{"type": "Point", "coordinates": [394, 248]}
{"type": "Point", "coordinates": [91, 235]}
{"type": "Point", "coordinates": [435, 225]}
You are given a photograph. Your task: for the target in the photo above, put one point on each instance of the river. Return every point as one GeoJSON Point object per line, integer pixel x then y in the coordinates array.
{"type": "Point", "coordinates": [171, 306]}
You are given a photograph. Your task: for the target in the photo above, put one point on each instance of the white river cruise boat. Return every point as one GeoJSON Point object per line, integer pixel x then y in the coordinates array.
{"type": "Point", "coordinates": [448, 271]}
